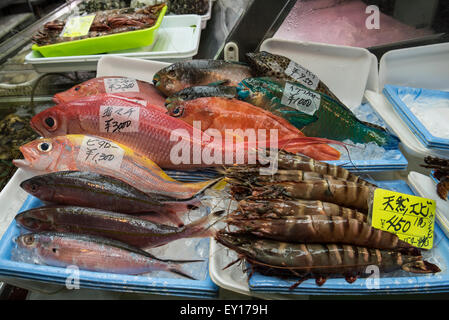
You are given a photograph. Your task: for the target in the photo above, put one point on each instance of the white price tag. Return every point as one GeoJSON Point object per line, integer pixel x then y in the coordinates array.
{"type": "Point", "coordinates": [118, 85]}
{"type": "Point", "coordinates": [301, 99]}
{"type": "Point", "coordinates": [116, 119]}
{"type": "Point", "coordinates": [99, 152]}
{"type": "Point", "coordinates": [302, 75]}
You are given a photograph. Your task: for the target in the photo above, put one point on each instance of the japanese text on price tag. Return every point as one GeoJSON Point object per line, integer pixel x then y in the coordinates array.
{"type": "Point", "coordinates": [301, 99]}
{"type": "Point", "coordinates": [118, 85]}
{"type": "Point", "coordinates": [78, 26]}
{"type": "Point", "coordinates": [119, 119]}
{"type": "Point", "coordinates": [100, 152]}
{"type": "Point", "coordinates": [302, 75]}
{"type": "Point", "coordinates": [411, 218]}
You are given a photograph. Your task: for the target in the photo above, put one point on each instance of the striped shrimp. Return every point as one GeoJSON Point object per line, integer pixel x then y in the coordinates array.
{"type": "Point", "coordinates": [290, 161]}
{"type": "Point", "coordinates": [343, 193]}
{"type": "Point", "coordinates": [295, 208]}
{"type": "Point", "coordinates": [319, 229]}
{"type": "Point", "coordinates": [320, 260]}
{"type": "Point", "coordinates": [251, 176]}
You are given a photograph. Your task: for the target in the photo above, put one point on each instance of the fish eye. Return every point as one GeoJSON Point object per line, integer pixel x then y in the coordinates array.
{"type": "Point", "coordinates": [44, 146]}
{"type": "Point", "coordinates": [28, 240]}
{"type": "Point", "coordinates": [172, 73]}
{"type": "Point", "coordinates": [33, 187]}
{"type": "Point", "coordinates": [77, 88]}
{"type": "Point", "coordinates": [50, 122]}
{"type": "Point", "coordinates": [178, 111]}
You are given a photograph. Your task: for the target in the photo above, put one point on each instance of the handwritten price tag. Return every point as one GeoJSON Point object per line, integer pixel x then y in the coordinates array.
{"type": "Point", "coordinates": [99, 152]}
{"type": "Point", "coordinates": [117, 85]}
{"type": "Point", "coordinates": [300, 99]}
{"type": "Point", "coordinates": [302, 75]}
{"type": "Point", "coordinates": [411, 218]}
{"type": "Point", "coordinates": [78, 26]}
{"type": "Point", "coordinates": [119, 119]}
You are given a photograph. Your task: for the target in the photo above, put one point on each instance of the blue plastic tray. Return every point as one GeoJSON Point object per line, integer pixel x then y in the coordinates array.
{"type": "Point", "coordinates": [204, 288]}
{"type": "Point", "coordinates": [393, 94]}
{"type": "Point", "coordinates": [396, 283]}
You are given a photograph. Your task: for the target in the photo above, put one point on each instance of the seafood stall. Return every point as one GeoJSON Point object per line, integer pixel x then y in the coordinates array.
{"type": "Point", "coordinates": [153, 151]}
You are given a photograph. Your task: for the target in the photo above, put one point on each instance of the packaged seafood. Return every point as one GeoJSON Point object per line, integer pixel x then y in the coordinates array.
{"type": "Point", "coordinates": [124, 29]}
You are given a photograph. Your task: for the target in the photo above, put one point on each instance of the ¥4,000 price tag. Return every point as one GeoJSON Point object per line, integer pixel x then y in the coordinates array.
{"type": "Point", "coordinates": [411, 218]}
{"type": "Point", "coordinates": [78, 26]}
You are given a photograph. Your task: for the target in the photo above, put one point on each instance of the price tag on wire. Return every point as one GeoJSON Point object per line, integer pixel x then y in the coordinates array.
{"type": "Point", "coordinates": [77, 26]}
{"type": "Point", "coordinates": [411, 218]}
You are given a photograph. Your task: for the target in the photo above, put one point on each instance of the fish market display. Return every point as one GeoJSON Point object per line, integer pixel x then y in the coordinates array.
{"type": "Point", "coordinates": [310, 220]}
{"type": "Point", "coordinates": [231, 114]}
{"type": "Point", "coordinates": [90, 153]}
{"type": "Point", "coordinates": [120, 86]}
{"type": "Point", "coordinates": [150, 132]}
{"type": "Point", "coordinates": [105, 23]}
{"type": "Point", "coordinates": [125, 228]}
{"type": "Point", "coordinates": [312, 111]}
{"type": "Point", "coordinates": [181, 75]}
{"type": "Point", "coordinates": [320, 260]}
{"type": "Point", "coordinates": [266, 64]}
{"type": "Point", "coordinates": [441, 173]}
{"type": "Point", "coordinates": [95, 254]}
{"type": "Point", "coordinates": [195, 92]}
{"type": "Point", "coordinates": [93, 190]}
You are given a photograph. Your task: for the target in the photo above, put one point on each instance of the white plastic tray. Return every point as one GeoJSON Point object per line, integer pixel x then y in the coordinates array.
{"type": "Point", "coordinates": [347, 71]}
{"type": "Point", "coordinates": [425, 187]}
{"type": "Point", "coordinates": [176, 40]}
{"type": "Point", "coordinates": [420, 67]}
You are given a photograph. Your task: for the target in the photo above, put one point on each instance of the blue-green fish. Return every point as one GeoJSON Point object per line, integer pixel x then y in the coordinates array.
{"type": "Point", "coordinates": [314, 113]}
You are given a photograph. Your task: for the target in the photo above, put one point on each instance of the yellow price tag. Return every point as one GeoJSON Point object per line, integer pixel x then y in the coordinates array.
{"type": "Point", "coordinates": [411, 218]}
{"type": "Point", "coordinates": [78, 26]}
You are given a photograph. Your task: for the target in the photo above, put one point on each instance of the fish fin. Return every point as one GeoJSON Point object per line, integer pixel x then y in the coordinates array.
{"type": "Point", "coordinates": [203, 226]}
{"type": "Point", "coordinates": [177, 270]}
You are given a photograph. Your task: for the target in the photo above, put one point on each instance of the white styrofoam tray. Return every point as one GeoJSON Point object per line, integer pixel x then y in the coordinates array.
{"type": "Point", "coordinates": [177, 39]}
{"type": "Point", "coordinates": [424, 67]}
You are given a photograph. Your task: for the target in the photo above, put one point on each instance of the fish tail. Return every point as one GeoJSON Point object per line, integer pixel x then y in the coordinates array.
{"type": "Point", "coordinates": [203, 186]}
{"type": "Point", "coordinates": [203, 227]}
{"type": "Point", "coordinates": [178, 270]}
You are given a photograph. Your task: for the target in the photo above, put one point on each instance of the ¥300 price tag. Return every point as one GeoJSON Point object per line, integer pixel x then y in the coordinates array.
{"type": "Point", "coordinates": [411, 218]}
{"type": "Point", "coordinates": [78, 26]}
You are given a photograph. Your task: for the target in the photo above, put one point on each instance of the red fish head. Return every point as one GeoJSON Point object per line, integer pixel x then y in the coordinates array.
{"type": "Point", "coordinates": [88, 88]}
{"type": "Point", "coordinates": [42, 155]}
{"type": "Point", "coordinates": [40, 219]}
{"type": "Point", "coordinates": [50, 122]}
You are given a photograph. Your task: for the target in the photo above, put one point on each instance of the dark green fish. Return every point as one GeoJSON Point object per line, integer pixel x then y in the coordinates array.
{"type": "Point", "coordinates": [192, 93]}
{"type": "Point", "coordinates": [95, 254]}
{"type": "Point", "coordinates": [265, 64]}
{"type": "Point", "coordinates": [184, 74]}
{"type": "Point", "coordinates": [122, 227]}
{"type": "Point", "coordinates": [314, 113]}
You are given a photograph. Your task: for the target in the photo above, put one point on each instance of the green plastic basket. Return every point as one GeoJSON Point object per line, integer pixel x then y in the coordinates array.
{"type": "Point", "coordinates": [103, 44]}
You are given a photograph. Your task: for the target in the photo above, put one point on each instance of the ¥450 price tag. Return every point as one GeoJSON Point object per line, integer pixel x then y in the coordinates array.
{"type": "Point", "coordinates": [411, 218]}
